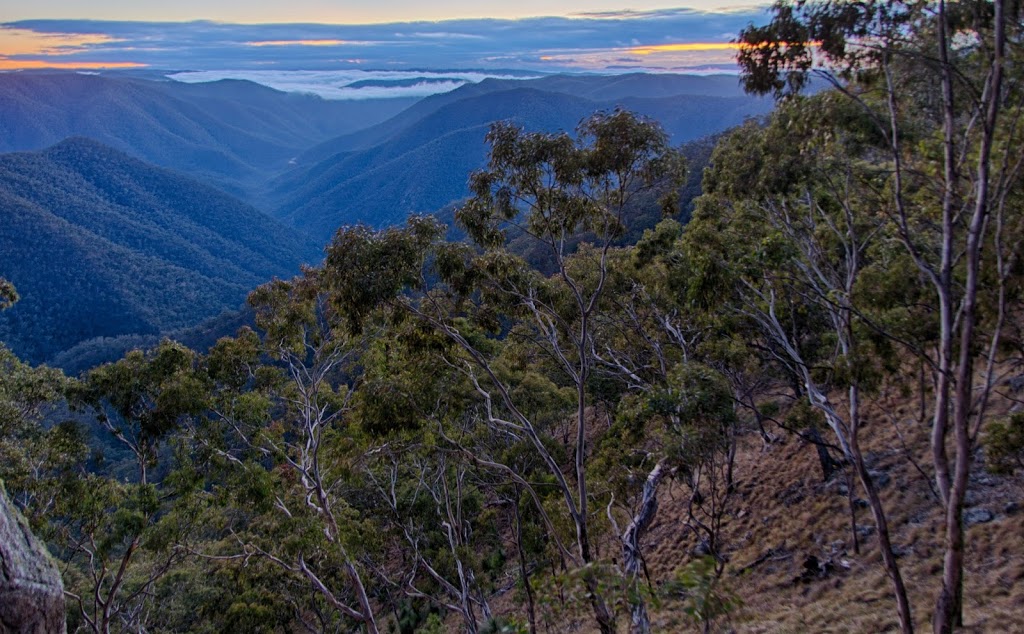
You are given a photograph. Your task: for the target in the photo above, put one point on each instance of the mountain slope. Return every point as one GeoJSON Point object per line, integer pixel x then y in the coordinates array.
{"type": "Point", "coordinates": [101, 244]}
{"type": "Point", "coordinates": [599, 88]}
{"type": "Point", "coordinates": [426, 165]}
{"type": "Point", "coordinates": [229, 133]}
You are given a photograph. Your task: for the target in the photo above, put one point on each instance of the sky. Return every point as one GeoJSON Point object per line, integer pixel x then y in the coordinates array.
{"type": "Point", "coordinates": [330, 11]}
{"type": "Point", "coordinates": [272, 37]}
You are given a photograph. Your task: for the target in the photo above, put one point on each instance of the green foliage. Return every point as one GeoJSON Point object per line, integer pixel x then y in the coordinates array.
{"type": "Point", "coordinates": [1004, 444]}
{"type": "Point", "coordinates": [505, 626]}
{"type": "Point", "coordinates": [569, 186]}
{"type": "Point", "coordinates": [702, 591]}
{"type": "Point", "coordinates": [145, 396]}
{"type": "Point", "coordinates": [8, 294]}
{"type": "Point", "coordinates": [386, 422]}
{"type": "Point", "coordinates": [566, 596]}
{"type": "Point", "coordinates": [365, 268]}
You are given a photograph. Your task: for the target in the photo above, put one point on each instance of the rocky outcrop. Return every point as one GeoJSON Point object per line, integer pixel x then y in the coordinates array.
{"type": "Point", "coordinates": [31, 592]}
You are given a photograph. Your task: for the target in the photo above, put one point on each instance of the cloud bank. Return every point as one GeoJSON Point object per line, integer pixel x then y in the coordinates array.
{"type": "Point", "coordinates": [680, 40]}
{"type": "Point", "coordinates": [350, 84]}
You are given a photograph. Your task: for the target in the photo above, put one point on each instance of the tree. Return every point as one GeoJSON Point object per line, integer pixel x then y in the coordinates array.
{"type": "Point", "coordinates": [8, 294]}
{"type": "Point", "coordinates": [123, 531]}
{"type": "Point", "coordinates": [33, 594]}
{"type": "Point", "coordinates": [939, 87]}
{"type": "Point", "coordinates": [796, 190]}
{"type": "Point", "coordinates": [551, 188]}
{"type": "Point", "coordinates": [283, 428]}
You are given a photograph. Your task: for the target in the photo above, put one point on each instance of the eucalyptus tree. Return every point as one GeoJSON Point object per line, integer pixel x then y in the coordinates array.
{"type": "Point", "coordinates": [33, 458]}
{"type": "Point", "coordinates": [941, 88]}
{"type": "Point", "coordinates": [549, 188]}
{"type": "Point", "coordinates": [280, 420]}
{"type": "Point", "coordinates": [119, 528]}
{"type": "Point", "coordinates": [675, 418]}
{"type": "Point", "coordinates": [796, 192]}
{"type": "Point", "coordinates": [426, 496]}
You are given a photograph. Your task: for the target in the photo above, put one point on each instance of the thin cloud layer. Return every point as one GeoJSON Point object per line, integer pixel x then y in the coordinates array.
{"type": "Point", "coordinates": [676, 40]}
{"type": "Point", "coordinates": [350, 84]}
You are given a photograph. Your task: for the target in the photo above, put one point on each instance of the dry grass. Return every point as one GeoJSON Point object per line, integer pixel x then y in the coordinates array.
{"type": "Point", "coordinates": [783, 513]}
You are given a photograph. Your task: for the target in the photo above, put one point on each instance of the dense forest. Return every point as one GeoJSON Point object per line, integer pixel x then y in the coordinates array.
{"type": "Point", "coordinates": [149, 188]}
{"type": "Point", "coordinates": [808, 394]}
{"type": "Point", "coordinates": [101, 245]}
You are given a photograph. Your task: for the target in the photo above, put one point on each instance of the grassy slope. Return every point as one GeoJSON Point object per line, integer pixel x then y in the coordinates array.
{"type": "Point", "coordinates": [783, 512]}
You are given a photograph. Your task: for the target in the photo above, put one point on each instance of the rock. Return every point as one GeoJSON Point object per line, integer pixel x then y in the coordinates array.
{"type": "Point", "coordinates": [701, 549]}
{"type": "Point", "coordinates": [1015, 383]}
{"type": "Point", "coordinates": [978, 516]}
{"type": "Point", "coordinates": [810, 570]}
{"type": "Point", "coordinates": [1012, 508]}
{"type": "Point", "coordinates": [815, 568]}
{"type": "Point", "coordinates": [838, 486]}
{"type": "Point", "coordinates": [881, 478]}
{"type": "Point", "coordinates": [31, 591]}
{"type": "Point", "coordinates": [983, 479]}
{"type": "Point", "coordinates": [865, 531]}
{"type": "Point", "coordinates": [861, 503]}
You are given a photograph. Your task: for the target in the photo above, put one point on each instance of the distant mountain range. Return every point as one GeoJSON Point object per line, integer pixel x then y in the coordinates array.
{"type": "Point", "coordinates": [419, 160]}
{"type": "Point", "coordinates": [229, 133]}
{"type": "Point", "coordinates": [100, 244]}
{"type": "Point", "coordinates": [121, 196]}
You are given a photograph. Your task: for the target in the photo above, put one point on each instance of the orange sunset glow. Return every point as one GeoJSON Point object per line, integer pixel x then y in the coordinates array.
{"type": "Point", "coordinates": [36, 64]}
{"type": "Point", "coordinates": [20, 42]}
{"type": "Point", "coordinates": [25, 42]}
{"type": "Point", "coordinates": [675, 55]}
{"type": "Point", "coordinates": [670, 55]}
{"type": "Point", "coordinates": [684, 47]}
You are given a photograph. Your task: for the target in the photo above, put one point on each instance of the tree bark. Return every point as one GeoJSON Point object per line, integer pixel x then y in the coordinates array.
{"type": "Point", "coordinates": [631, 556]}
{"type": "Point", "coordinates": [829, 465]}
{"type": "Point", "coordinates": [531, 611]}
{"type": "Point", "coordinates": [892, 569]}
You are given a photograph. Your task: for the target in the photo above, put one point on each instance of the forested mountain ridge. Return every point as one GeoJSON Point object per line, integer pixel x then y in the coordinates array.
{"type": "Point", "coordinates": [233, 134]}
{"type": "Point", "coordinates": [126, 246]}
{"type": "Point", "coordinates": [598, 88]}
{"type": "Point", "coordinates": [423, 166]}
{"type": "Point", "coordinates": [229, 133]}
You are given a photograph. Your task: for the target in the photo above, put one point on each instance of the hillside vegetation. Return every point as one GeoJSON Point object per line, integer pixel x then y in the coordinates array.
{"type": "Point", "coordinates": [100, 244]}
{"type": "Point", "coordinates": [799, 411]}
{"type": "Point", "coordinates": [418, 161]}
{"type": "Point", "coordinates": [78, 204]}
{"type": "Point", "coordinates": [228, 133]}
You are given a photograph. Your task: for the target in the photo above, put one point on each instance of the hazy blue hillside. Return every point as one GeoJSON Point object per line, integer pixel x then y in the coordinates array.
{"type": "Point", "coordinates": [421, 169]}
{"type": "Point", "coordinates": [610, 87]}
{"type": "Point", "coordinates": [599, 88]}
{"type": "Point", "coordinates": [425, 165]}
{"type": "Point", "coordinates": [230, 133]}
{"type": "Point", "coordinates": [100, 244]}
